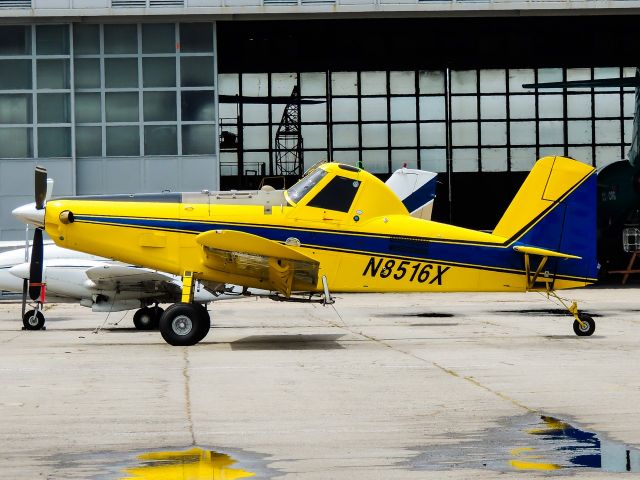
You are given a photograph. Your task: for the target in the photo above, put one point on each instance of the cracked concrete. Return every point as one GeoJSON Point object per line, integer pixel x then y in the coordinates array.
{"type": "Point", "coordinates": [302, 391]}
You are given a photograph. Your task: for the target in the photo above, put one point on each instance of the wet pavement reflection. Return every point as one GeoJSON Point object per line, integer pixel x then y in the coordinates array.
{"type": "Point", "coordinates": [528, 443]}
{"type": "Point", "coordinates": [193, 464]}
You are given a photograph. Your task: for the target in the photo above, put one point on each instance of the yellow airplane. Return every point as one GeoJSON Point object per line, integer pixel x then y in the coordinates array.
{"type": "Point", "coordinates": [338, 229]}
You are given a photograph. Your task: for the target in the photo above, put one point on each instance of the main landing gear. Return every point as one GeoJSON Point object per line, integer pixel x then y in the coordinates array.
{"type": "Point", "coordinates": [148, 318]}
{"type": "Point", "coordinates": [185, 323]}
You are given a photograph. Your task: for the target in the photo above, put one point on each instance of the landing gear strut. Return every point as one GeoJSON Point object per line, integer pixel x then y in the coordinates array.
{"type": "Point", "coordinates": [185, 323]}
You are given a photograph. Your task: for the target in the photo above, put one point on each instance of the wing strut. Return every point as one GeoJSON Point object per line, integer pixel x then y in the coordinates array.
{"type": "Point", "coordinates": [534, 277]}
{"type": "Point", "coordinates": [327, 299]}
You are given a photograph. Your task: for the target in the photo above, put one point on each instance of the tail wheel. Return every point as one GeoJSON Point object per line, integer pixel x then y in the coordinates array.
{"type": "Point", "coordinates": [587, 328]}
{"type": "Point", "coordinates": [33, 320]}
{"type": "Point", "coordinates": [144, 319]}
{"type": "Point", "coordinates": [182, 324]}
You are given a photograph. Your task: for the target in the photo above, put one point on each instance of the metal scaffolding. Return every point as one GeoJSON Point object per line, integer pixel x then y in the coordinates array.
{"type": "Point", "coordinates": [288, 141]}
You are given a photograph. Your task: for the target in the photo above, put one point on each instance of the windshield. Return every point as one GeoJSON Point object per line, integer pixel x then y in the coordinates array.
{"type": "Point", "coordinates": [300, 189]}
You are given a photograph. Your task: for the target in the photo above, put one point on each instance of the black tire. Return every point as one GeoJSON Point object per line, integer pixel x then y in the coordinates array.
{"type": "Point", "coordinates": [144, 319]}
{"type": "Point", "coordinates": [182, 324]}
{"type": "Point", "coordinates": [206, 323]}
{"type": "Point", "coordinates": [33, 320]}
{"type": "Point", "coordinates": [157, 314]}
{"type": "Point", "coordinates": [588, 328]}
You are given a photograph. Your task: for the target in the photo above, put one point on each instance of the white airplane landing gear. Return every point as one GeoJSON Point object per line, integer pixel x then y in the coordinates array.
{"type": "Point", "coordinates": [34, 319]}
{"type": "Point", "coordinates": [148, 318]}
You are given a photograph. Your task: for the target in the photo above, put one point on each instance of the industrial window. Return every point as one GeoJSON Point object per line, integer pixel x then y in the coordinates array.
{"type": "Point", "coordinates": [337, 195]}
{"type": "Point", "coordinates": [440, 120]}
{"type": "Point", "coordinates": [92, 90]}
{"type": "Point", "coordinates": [138, 93]}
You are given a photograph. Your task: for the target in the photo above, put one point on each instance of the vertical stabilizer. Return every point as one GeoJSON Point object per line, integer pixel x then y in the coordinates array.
{"type": "Point", "coordinates": [416, 189]}
{"type": "Point", "coordinates": [555, 209]}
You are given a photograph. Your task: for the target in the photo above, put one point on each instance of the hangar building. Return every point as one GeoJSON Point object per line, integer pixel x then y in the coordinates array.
{"type": "Point", "coordinates": [122, 96]}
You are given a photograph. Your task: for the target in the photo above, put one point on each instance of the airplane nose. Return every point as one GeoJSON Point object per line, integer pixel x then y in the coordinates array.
{"type": "Point", "coordinates": [30, 214]}
{"type": "Point", "coordinates": [20, 271]}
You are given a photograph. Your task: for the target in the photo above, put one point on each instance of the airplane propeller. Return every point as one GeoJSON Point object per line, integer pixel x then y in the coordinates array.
{"type": "Point", "coordinates": [34, 285]}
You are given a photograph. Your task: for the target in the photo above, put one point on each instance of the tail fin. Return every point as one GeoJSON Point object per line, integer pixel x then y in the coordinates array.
{"type": "Point", "coordinates": [555, 209]}
{"type": "Point", "coordinates": [416, 189]}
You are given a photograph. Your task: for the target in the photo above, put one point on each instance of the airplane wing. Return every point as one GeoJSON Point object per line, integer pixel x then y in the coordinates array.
{"type": "Point", "coordinates": [243, 255]}
{"type": "Point", "coordinates": [127, 277]}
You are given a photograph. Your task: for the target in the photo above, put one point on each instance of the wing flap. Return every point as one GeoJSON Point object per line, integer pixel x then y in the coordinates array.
{"type": "Point", "coordinates": [265, 262]}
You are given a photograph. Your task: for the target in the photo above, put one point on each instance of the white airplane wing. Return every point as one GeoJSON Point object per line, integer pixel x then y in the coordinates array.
{"type": "Point", "coordinates": [128, 277]}
{"type": "Point", "coordinates": [416, 189]}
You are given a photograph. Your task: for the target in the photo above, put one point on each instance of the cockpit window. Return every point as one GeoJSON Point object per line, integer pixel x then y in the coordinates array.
{"type": "Point", "coordinates": [300, 189]}
{"type": "Point", "coordinates": [337, 195]}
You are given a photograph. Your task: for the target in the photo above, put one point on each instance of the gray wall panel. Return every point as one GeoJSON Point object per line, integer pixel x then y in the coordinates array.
{"type": "Point", "coordinates": [200, 173]}
{"type": "Point", "coordinates": [16, 188]}
{"type": "Point", "coordinates": [11, 228]}
{"type": "Point", "coordinates": [162, 173]}
{"type": "Point", "coordinates": [89, 175]}
{"type": "Point", "coordinates": [129, 175]}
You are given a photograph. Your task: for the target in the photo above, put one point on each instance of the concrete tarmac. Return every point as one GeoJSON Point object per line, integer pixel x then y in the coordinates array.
{"type": "Point", "coordinates": [396, 386]}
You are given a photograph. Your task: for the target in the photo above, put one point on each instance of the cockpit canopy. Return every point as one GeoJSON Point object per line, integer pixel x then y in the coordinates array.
{"type": "Point", "coordinates": [337, 187]}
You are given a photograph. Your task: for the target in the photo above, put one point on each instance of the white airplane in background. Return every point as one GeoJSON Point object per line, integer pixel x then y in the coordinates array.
{"type": "Point", "coordinates": [109, 286]}
{"type": "Point", "coordinates": [101, 284]}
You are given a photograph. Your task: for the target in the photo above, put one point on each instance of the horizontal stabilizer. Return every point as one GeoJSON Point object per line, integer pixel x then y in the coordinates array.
{"type": "Point", "coordinates": [543, 252]}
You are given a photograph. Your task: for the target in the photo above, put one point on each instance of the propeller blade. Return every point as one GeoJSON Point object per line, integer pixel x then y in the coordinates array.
{"type": "Point", "coordinates": [49, 189]}
{"type": "Point", "coordinates": [601, 82]}
{"type": "Point", "coordinates": [40, 186]}
{"type": "Point", "coordinates": [35, 271]}
{"type": "Point", "coordinates": [25, 289]}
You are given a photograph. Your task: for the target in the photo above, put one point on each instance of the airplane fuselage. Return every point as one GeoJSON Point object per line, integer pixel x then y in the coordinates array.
{"type": "Point", "coordinates": [385, 253]}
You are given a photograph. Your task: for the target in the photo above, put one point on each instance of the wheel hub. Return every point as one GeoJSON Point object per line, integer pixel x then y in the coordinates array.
{"type": "Point", "coordinates": [33, 320]}
{"type": "Point", "coordinates": [182, 325]}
